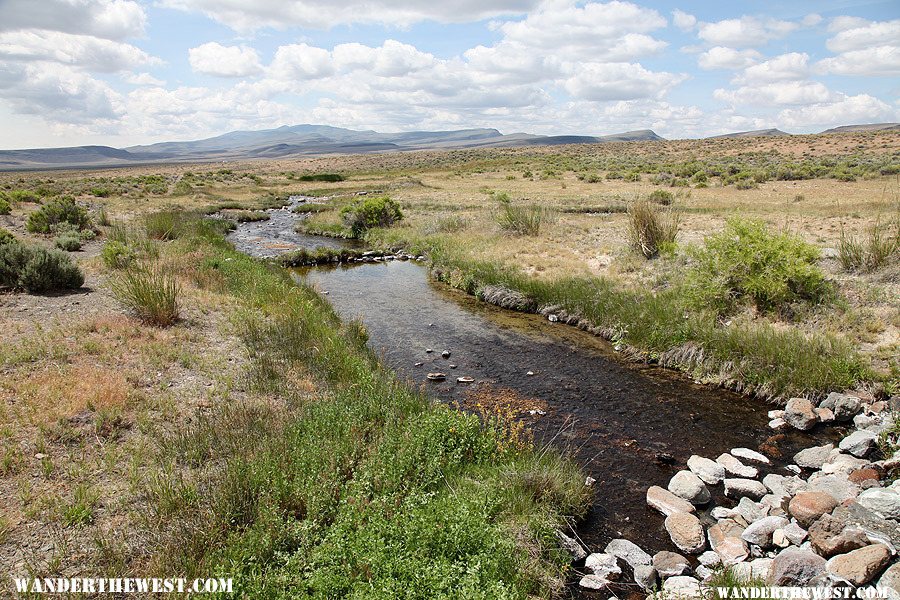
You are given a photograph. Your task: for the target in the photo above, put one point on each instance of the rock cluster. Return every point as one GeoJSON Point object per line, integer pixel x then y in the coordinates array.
{"type": "Point", "coordinates": [828, 520]}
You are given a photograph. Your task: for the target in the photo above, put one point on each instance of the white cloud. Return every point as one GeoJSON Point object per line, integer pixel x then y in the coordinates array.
{"type": "Point", "coordinates": [301, 62]}
{"type": "Point", "coordinates": [619, 81]}
{"type": "Point", "coordinates": [720, 57]}
{"type": "Point", "coordinates": [811, 20]}
{"type": "Point", "coordinates": [745, 31]}
{"type": "Point", "coordinates": [859, 35]}
{"type": "Point", "coordinates": [224, 61]}
{"type": "Point", "coordinates": [111, 19]}
{"type": "Point", "coordinates": [684, 21]}
{"type": "Point", "coordinates": [58, 93]}
{"type": "Point", "coordinates": [779, 93]}
{"type": "Point", "coordinates": [881, 61]}
{"type": "Point", "coordinates": [142, 79]}
{"type": "Point", "coordinates": [785, 67]}
{"type": "Point", "coordinates": [842, 110]}
{"type": "Point", "coordinates": [82, 51]}
{"type": "Point", "coordinates": [323, 14]}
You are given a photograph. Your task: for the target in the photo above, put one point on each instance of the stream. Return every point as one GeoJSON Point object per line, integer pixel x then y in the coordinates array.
{"type": "Point", "coordinates": [628, 425]}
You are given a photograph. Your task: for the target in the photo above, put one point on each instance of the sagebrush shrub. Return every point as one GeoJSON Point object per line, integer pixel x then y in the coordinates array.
{"type": "Point", "coordinates": [747, 263]}
{"type": "Point", "coordinates": [68, 242]}
{"type": "Point", "coordinates": [363, 215]}
{"type": "Point", "coordinates": [5, 207]}
{"type": "Point", "coordinates": [6, 237]}
{"type": "Point", "coordinates": [663, 197]}
{"type": "Point", "coordinates": [36, 269]}
{"type": "Point", "coordinates": [55, 212]}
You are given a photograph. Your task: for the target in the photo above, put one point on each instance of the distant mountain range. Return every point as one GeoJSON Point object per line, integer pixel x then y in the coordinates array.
{"type": "Point", "coordinates": [319, 140]}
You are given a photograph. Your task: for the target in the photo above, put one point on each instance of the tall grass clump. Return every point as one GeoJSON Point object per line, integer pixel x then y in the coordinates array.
{"type": "Point", "coordinates": [746, 263]}
{"type": "Point", "coordinates": [168, 224]}
{"type": "Point", "coordinates": [151, 292]}
{"type": "Point", "coordinates": [522, 219]}
{"type": "Point", "coordinates": [650, 228]}
{"type": "Point", "coordinates": [57, 212]}
{"type": "Point", "coordinates": [869, 253]}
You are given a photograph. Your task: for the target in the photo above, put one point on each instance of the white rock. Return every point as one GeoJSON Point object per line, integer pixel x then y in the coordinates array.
{"type": "Point", "coordinates": [603, 565]}
{"type": "Point", "coordinates": [813, 458]}
{"type": "Point", "coordinates": [795, 534]}
{"type": "Point", "coordinates": [666, 502]}
{"type": "Point", "coordinates": [859, 443]}
{"type": "Point", "coordinates": [760, 532]}
{"type": "Point", "coordinates": [593, 582]}
{"type": "Point", "coordinates": [778, 424]}
{"type": "Point", "coordinates": [751, 455]}
{"type": "Point", "coordinates": [885, 502]}
{"type": "Point", "coordinates": [687, 485]}
{"type": "Point", "coordinates": [759, 568]}
{"type": "Point", "coordinates": [682, 587]}
{"type": "Point", "coordinates": [776, 414]}
{"type": "Point", "coordinates": [738, 488]}
{"type": "Point", "coordinates": [720, 512]}
{"type": "Point", "coordinates": [628, 551]}
{"type": "Point", "coordinates": [749, 510]}
{"type": "Point", "coordinates": [710, 559]}
{"type": "Point", "coordinates": [736, 467]}
{"type": "Point", "coordinates": [707, 470]}
{"type": "Point", "coordinates": [836, 485]}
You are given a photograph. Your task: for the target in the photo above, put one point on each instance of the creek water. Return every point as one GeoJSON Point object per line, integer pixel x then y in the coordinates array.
{"type": "Point", "coordinates": [628, 425]}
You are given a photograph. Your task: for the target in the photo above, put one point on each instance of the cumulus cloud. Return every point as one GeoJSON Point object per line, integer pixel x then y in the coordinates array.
{"type": "Point", "coordinates": [619, 81]}
{"type": "Point", "coordinates": [720, 57]}
{"type": "Point", "coordinates": [110, 19]}
{"type": "Point", "coordinates": [684, 21]}
{"type": "Point", "coordinates": [841, 110]}
{"type": "Point", "coordinates": [881, 61]}
{"type": "Point", "coordinates": [323, 14]}
{"type": "Point", "coordinates": [865, 48]}
{"type": "Point", "coordinates": [224, 61]}
{"type": "Point", "coordinates": [142, 79]}
{"type": "Point", "coordinates": [785, 67]}
{"type": "Point", "coordinates": [82, 51]}
{"type": "Point", "coordinates": [745, 31]}
{"type": "Point", "coordinates": [780, 93]}
{"type": "Point", "coordinates": [858, 35]}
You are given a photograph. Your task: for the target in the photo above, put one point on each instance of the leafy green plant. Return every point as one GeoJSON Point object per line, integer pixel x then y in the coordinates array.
{"type": "Point", "coordinates": [81, 510]}
{"type": "Point", "coordinates": [68, 242]}
{"type": "Point", "coordinates": [54, 212]}
{"type": "Point", "coordinates": [365, 214]}
{"type": "Point", "coordinates": [5, 207]}
{"type": "Point", "coordinates": [747, 263]}
{"type": "Point", "coordinates": [37, 269]}
{"type": "Point", "coordinates": [6, 237]}
{"type": "Point", "coordinates": [650, 228]}
{"type": "Point", "coordinates": [117, 255]}
{"type": "Point", "coordinates": [151, 292]}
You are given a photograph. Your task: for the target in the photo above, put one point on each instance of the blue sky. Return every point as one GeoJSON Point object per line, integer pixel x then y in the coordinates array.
{"type": "Point", "coordinates": [124, 72]}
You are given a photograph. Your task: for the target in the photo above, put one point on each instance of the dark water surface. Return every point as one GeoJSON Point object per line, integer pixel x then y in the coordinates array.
{"type": "Point", "coordinates": [619, 420]}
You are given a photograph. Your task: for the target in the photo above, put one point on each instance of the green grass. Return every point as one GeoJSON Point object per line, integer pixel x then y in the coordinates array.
{"type": "Point", "coordinates": [651, 229]}
{"type": "Point", "coordinates": [365, 490]}
{"type": "Point", "coordinates": [522, 219]}
{"type": "Point", "coordinates": [871, 252]}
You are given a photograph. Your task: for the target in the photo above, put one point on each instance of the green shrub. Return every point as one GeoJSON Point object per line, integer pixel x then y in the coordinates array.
{"type": "Point", "coordinates": [5, 207]}
{"type": "Point", "coordinates": [150, 292]}
{"type": "Point", "coordinates": [117, 255]}
{"type": "Point", "coordinates": [68, 242]}
{"type": "Point", "coordinates": [36, 269]}
{"type": "Point", "coordinates": [363, 215]}
{"type": "Point", "coordinates": [747, 263]}
{"type": "Point", "coordinates": [329, 177]}
{"type": "Point", "coordinates": [102, 217]}
{"type": "Point", "coordinates": [661, 197]}
{"type": "Point", "coordinates": [14, 196]}
{"type": "Point", "coordinates": [522, 219]}
{"type": "Point", "coordinates": [6, 237]}
{"type": "Point", "coordinates": [650, 228]}
{"type": "Point", "coordinates": [55, 212]}
{"type": "Point", "coordinates": [870, 253]}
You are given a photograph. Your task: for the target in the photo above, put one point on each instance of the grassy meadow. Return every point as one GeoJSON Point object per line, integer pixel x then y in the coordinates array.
{"type": "Point", "coordinates": [191, 410]}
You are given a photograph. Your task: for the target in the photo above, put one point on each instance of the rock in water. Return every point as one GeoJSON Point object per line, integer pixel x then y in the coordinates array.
{"type": "Point", "coordinates": [795, 567]}
{"type": "Point", "coordinates": [628, 552]}
{"type": "Point", "coordinates": [813, 458]}
{"type": "Point", "coordinates": [859, 567]}
{"type": "Point", "coordinates": [646, 577]}
{"type": "Point", "coordinates": [751, 455]}
{"type": "Point", "coordinates": [686, 532]}
{"type": "Point", "coordinates": [670, 564]}
{"type": "Point", "coordinates": [736, 467]}
{"type": "Point", "coordinates": [593, 582]}
{"type": "Point", "coordinates": [666, 502]}
{"type": "Point", "coordinates": [738, 488]}
{"type": "Point", "coordinates": [687, 485]}
{"type": "Point", "coordinates": [709, 471]}
{"type": "Point", "coordinates": [800, 414]}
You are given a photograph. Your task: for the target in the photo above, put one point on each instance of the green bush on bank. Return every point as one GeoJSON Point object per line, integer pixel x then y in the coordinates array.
{"type": "Point", "coordinates": [746, 263]}
{"type": "Point", "coordinates": [361, 215]}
